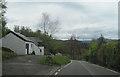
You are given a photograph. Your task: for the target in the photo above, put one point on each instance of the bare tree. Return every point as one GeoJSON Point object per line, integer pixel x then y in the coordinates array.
{"type": "Point", "coordinates": [45, 22]}
{"type": "Point", "coordinates": [53, 27]}
{"type": "Point", "coordinates": [47, 25]}
{"type": "Point", "coordinates": [73, 37]}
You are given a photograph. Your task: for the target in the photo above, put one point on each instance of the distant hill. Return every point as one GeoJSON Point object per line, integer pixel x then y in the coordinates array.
{"type": "Point", "coordinates": [87, 41]}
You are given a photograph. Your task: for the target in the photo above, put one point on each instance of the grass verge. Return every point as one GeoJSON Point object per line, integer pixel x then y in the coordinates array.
{"type": "Point", "coordinates": [55, 60]}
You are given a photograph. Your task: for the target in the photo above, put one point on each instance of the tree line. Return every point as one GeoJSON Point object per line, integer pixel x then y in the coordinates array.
{"type": "Point", "coordinates": [105, 53]}
{"type": "Point", "coordinates": [71, 48]}
{"type": "Point", "coordinates": [3, 21]}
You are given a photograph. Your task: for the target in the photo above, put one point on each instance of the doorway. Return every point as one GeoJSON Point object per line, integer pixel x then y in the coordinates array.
{"type": "Point", "coordinates": [27, 47]}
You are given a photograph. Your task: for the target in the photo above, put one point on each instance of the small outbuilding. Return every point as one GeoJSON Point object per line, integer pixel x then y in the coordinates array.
{"type": "Point", "coordinates": [38, 43]}
{"type": "Point", "coordinates": [21, 44]}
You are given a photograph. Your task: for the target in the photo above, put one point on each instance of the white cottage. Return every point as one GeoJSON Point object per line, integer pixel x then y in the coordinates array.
{"type": "Point", "coordinates": [21, 44]}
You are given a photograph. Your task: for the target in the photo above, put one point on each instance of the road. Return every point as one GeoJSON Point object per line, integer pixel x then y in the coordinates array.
{"type": "Point", "coordinates": [85, 68]}
{"type": "Point", "coordinates": [30, 65]}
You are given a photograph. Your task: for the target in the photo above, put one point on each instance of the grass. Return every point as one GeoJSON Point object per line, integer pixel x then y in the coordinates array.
{"type": "Point", "coordinates": [7, 54]}
{"type": "Point", "coordinates": [56, 60]}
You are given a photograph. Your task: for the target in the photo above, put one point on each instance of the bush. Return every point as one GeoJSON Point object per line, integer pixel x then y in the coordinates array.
{"type": "Point", "coordinates": [33, 53]}
{"type": "Point", "coordinates": [8, 54]}
{"type": "Point", "coordinates": [54, 60]}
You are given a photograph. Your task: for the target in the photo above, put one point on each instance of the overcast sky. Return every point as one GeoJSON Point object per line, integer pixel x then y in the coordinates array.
{"type": "Point", "coordinates": [84, 19]}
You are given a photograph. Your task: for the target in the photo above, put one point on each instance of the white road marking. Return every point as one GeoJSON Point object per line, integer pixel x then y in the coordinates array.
{"type": "Point", "coordinates": [56, 73]}
{"type": "Point", "coordinates": [52, 72]}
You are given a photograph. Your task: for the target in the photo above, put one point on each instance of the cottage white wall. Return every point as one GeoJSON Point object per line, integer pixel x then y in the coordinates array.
{"type": "Point", "coordinates": [14, 43]}
{"type": "Point", "coordinates": [36, 49]}
{"type": "Point", "coordinates": [31, 47]}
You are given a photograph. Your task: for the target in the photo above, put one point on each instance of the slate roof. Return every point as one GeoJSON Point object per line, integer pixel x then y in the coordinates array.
{"type": "Point", "coordinates": [20, 36]}
{"type": "Point", "coordinates": [35, 40]}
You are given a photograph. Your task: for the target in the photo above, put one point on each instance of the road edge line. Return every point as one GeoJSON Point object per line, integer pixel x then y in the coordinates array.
{"type": "Point", "coordinates": [103, 67]}
{"type": "Point", "coordinates": [67, 64]}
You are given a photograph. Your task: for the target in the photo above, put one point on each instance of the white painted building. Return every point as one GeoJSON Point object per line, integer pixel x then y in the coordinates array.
{"type": "Point", "coordinates": [21, 44]}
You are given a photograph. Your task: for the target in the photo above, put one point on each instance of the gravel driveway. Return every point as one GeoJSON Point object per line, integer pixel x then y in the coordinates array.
{"type": "Point", "coordinates": [27, 65]}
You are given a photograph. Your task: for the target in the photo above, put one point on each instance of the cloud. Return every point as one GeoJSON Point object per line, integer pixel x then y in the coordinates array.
{"type": "Point", "coordinates": [86, 20]}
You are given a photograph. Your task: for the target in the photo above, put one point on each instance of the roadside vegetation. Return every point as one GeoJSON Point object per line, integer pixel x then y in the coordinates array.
{"type": "Point", "coordinates": [7, 54]}
{"type": "Point", "coordinates": [104, 53]}
{"type": "Point", "coordinates": [55, 60]}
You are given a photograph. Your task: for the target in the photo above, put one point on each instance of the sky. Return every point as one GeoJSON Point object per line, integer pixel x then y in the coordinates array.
{"type": "Point", "coordinates": [86, 20]}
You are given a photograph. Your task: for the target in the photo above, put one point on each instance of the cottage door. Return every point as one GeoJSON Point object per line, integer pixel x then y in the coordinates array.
{"type": "Point", "coordinates": [27, 47]}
